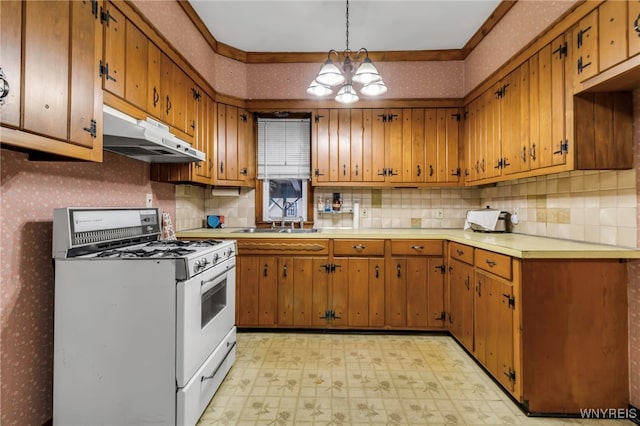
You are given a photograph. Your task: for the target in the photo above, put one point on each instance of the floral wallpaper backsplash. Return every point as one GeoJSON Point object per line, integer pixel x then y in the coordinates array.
{"type": "Point", "coordinates": [29, 192]}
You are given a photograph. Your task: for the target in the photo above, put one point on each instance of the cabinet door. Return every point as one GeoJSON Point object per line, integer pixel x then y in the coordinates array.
{"type": "Point", "coordinates": [154, 102]}
{"type": "Point", "coordinates": [113, 78]}
{"type": "Point", "coordinates": [461, 302]}
{"type": "Point", "coordinates": [376, 292]}
{"type": "Point", "coordinates": [206, 115]}
{"type": "Point", "coordinates": [510, 111]}
{"type": "Point", "coordinates": [534, 119]}
{"type": "Point", "coordinates": [85, 108]}
{"type": "Point", "coordinates": [320, 147]}
{"type": "Point", "coordinates": [431, 145]}
{"type": "Point", "coordinates": [417, 292]}
{"type": "Point", "coordinates": [435, 292]}
{"type": "Point", "coordinates": [228, 167]}
{"type": "Point", "coordinates": [166, 89]}
{"type": "Point", "coordinates": [494, 326]}
{"type": "Point", "coordinates": [267, 290]}
{"type": "Point", "coordinates": [247, 303]}
{"type": "Point", "coordinates": [320, 292]}
{"type": "Point", "coordinates": [393, 145]}
{"type": "Point", "coordinates": [558, 104]}
{"type": "Point", "coordinates": [612, 37]}
{"type": "Point", "coordinates": [303, 290]}
{"type": "Point", "coordinates": [470, 136]}
{"type": "Point", "coordinates": [136, 58]}
{"type": "Point", "coordinates": [10, 60]}
{"type": "Point", "coordinates": [448, 139]}
{"type": "Point", "coordinates": [344, 145]}
{"type": "Point", "coordinates": [182, 100]}
{"type": "Point", "coordinates": [356, 145]}
{"type": "Point", "coordinates": [414, 143]}
{"type": "Point", "coordinates": [492, 146]}
{"type": "Point", "coordinates": [46, 93]}
{"type": "Point", "coordinates": [396, 292]}
{"type": "Point", "coordinates": [355, 275]}
{"type": "Point", "coordinates": [374, 145]}
{"type": "Point", "coordinates": [246, 151]}
{"type": "Point", "coordinates": [286, 279]}
{"type": "Point", "coordinates": [633, 27]}
{"type": "Point", "coordinates": [586, 44]}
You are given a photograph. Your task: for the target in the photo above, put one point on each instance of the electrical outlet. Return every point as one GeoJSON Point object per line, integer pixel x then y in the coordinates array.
{"type": "Point", "coordinates": [364, 213]}
{"type": "Point", "coordinates": [439, 213]}
{"type": "Point", "coordinates": [149, 199]}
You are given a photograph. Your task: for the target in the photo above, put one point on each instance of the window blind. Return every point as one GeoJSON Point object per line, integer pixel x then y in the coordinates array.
{"type": "Point", "coordinates": [284, 148]}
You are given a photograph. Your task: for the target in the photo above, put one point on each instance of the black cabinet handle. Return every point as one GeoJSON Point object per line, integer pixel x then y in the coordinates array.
{"type": "Point", "coordinates": [356, 170]}
{"type": "Point", "coordinates": [532, 152]}
{"type": "Point", "coordinates": [430, 170]}
{"type": "Point", "coordinates": [284, 271]}
{"type": "Point", "coordinates": [156, 96]}
{"type": "Point", "coordinates": [636, 27]}
{"type": "Point", "coordinates": [169, 105]}
{"type": "Point", "coordinates": [398, 268]}
{"type": "Point", "coordinates": [419, 171]}
{"type": "Point", "coordinates": [377, 271]}
{"type": "Point", "coordinates": [344, 170]}
{"type": "Point", "coordinates": [359, 247]}
{"type": "Point", "coordinates": [222, 167]}
{"type": "Point", "coordinates": [466, 282]}
{"type": "Point", "coordinates": [491, 263]}
{"type": "Point", "coordinates": [266, 269]}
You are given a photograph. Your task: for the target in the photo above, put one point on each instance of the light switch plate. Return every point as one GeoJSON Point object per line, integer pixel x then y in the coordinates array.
{"type": "Point", "coordinates": [149, 199]}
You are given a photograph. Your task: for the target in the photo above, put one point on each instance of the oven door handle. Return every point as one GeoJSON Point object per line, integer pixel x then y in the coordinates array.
{"type": "Point", "coordinates": [206, 285]}
{"type": "Point", "coordinates": [212, 375]}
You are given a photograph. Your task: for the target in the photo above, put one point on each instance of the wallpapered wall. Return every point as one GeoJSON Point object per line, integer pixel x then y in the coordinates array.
{"type": "Point", "coordinates": [29, 192]}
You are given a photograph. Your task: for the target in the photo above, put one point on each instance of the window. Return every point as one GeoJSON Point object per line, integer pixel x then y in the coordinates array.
{"type": "Point", "coordinates": [284, 150]}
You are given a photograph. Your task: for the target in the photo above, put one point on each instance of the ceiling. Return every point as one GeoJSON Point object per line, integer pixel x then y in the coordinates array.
{"type": "Point", "coordinates": [320, 25]}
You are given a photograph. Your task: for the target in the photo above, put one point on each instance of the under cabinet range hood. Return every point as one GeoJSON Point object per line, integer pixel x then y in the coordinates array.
{"type": "Point", "coordinates": [145, 140]}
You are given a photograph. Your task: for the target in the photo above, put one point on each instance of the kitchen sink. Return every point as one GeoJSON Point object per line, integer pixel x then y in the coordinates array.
{"type": "Point", "coordinates": [280, 230]}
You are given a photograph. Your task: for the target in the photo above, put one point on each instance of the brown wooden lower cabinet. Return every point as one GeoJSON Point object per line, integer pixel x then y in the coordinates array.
{"type": "Point", "coordinates": [552, 332]}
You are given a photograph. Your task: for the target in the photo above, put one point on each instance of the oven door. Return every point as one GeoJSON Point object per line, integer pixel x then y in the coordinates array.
{"type": "Point", "coordinates": [205, 315]}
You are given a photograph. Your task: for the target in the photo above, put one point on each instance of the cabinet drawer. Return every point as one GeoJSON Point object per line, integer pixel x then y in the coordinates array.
{"type": "Point", "coordinates": [495, 263]}
{"type": "Point", "coordinates": [461, 252]}
{"type": "Point", "coordinates": [283, 246]}
{"type": "Point", "coordinates": [417, 247]}
{"type": "Point", "coordinates": [358, 247]}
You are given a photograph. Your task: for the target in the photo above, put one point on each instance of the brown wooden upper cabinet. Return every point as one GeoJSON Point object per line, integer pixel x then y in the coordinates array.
{"type": "Point", "coordinates": [612, 37]}
{"type": "Point", "coordinates": [585, 43]}
{"type": "Point", "coordinates": [235, 147]}
{"type": "Point", "coordinates": [61, 109]}
{"type": "Point", "coordinates": [397, 146]}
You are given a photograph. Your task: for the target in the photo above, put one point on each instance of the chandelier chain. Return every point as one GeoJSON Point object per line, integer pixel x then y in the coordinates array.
{"type": "Point", "coordinates": [347, 14]}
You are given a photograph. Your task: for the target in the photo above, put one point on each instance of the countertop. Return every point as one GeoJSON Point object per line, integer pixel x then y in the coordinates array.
{"type": "Point", "coordinates": [516, 245]}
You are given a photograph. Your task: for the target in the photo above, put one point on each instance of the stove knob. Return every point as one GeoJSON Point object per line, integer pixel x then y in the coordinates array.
{"type": "Point", "coordinates": [196, 266]}
{"type": "Point", "coordinates": [205, 262]}
{"type": "Point", "coordinates": [216, 257]}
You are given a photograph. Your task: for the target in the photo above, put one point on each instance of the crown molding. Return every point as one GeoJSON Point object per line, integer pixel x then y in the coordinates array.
{"type": "Point", "coordinates": [387, 56]}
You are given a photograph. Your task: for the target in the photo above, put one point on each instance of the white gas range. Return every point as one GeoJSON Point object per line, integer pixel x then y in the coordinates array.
{"type": "Point", "coordinates": [144, 329]}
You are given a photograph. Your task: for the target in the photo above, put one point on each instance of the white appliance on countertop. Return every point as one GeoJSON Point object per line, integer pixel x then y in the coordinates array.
{"type": "Point", "coordinates": [144, 329]}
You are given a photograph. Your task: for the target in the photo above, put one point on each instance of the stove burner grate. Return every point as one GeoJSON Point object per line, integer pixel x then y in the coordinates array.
{"type": "Point", "coordinates": [170, 252]}
{"type": "Point", "coordinates": [183, 243]}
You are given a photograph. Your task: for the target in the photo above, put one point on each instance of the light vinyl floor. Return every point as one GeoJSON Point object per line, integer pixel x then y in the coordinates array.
{"type": "Point", "coordinates": [362, 379]}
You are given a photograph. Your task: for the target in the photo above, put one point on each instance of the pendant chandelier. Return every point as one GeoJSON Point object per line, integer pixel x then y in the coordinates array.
{"type": "Point", "coordinates": [332, 75]}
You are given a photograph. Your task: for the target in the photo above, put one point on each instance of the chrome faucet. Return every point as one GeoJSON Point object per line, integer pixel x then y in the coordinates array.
{"type": "Point", "coordinates": [284, 212]}
{"type": "Point", "coordinates": [301, 220]}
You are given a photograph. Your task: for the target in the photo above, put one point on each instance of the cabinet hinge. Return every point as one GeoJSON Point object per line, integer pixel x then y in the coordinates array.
{"type": "Point", "coordinates": [582, 65]}
{"type": "Point", "coordinates": [511, 374]}
{"type": "Point", "coordinates": [196, 94]}
{"type": "Point", "coordinates": [317, 118]}
{"type": "Point", "coordinates": [456, 172]}
{"type": "Point", "coordinates": [564, 148]}
{"type": "Point", "coordinates": [511, 299]}
{"type": "Point", "coordinates": [457, 116]}
{"type": "Point", "coordinates": [329, 315]}
{"type": "Point", "coordinates": [317, 173]}
{"type": "Point", "coordinates": [580, 34]}
{"type": "Point", "coordinates": [390, 117]}
{"type": "Point", "coordinates": [561, 50]}
{"type": "Point", "coordinates": [94, 8]}
{"type": "Point", "coordinates": [105, 17]}
{"type": "Point", "coordinates": [499, 164]}
{"type": "Point", "coordinates": [91, 129]}
{"type": "Point", "coordinates": [103, 69]}
{"type": "Point", "coordinates": [442, 268]}
{"type": "Point", "coordinates": [243, 117]}
{"type": "Point", "coordinates": [441, 317]}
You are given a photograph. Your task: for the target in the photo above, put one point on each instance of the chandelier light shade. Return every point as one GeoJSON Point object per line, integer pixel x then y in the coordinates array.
{"type": "Point", "coordinates": [332, 76]}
